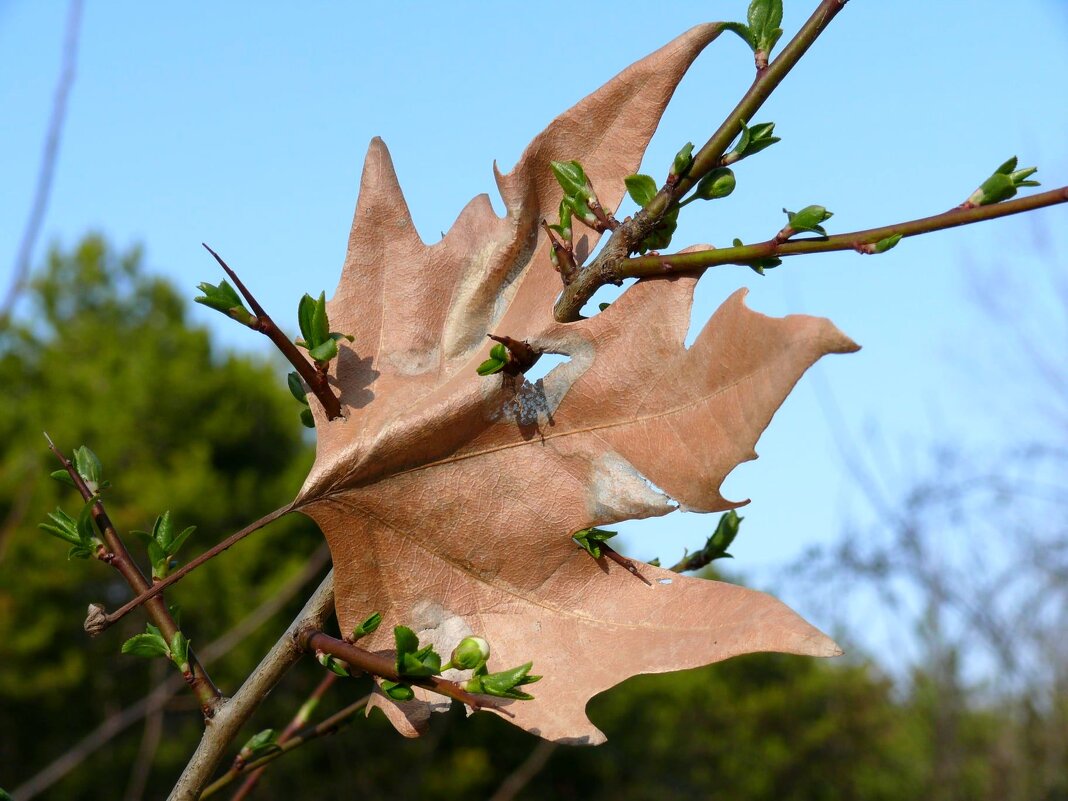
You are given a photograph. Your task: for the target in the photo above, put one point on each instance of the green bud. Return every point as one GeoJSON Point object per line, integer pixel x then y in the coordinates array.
{"type": "Point", "coordinates": [590, 539]}
{"type": "Point", "coordinates": [572, 178]}
{"type": "Point", "coordinates": [259, 744]}
{"type": "Point", "coordinates": [88, 467]}
{"type": "Point", "coordinates": [367, 626]}
{"type": "Point", "coordinates": [332, 663]}
{"type": "Point", "coordinates": [499, 352]}
{"type": "Point", "coordinates": [180, 651]}
{"type": "Point", "coordinates": [396, 690]}
{"type": "Point", "coordinates": [1003, 184]}
{"type": "Point", "coordinates": [809, 219]}
{"type": "Point", "coordinates": [752, 141]}
{"type": "Point", "coordinates": [641, 188]}
{"type": "Point", "coordinates": [603, 306]}
{"type": "Point", "coordinates": [504, 684]}
{"type": "Point", "coordinates": [683, 160]}
{"type": "Point", "coordinates": [884, 245]}
{"type": "Point", "coordinates": [654, 562]}
{"type": "Point", "coordinates": [723, 536]}
{"type": "Point", "coordinates": [223, 298]}
{"type": "Point", "coordinates": [760, 265]}
{"type": "Point", "coordinates": [306, 418]}
{"type": "Point", "coordinates": [471, 653]}
{"type": "Point", "coordinates": [411, 659]}
{"type": "Point", "coordinates": [717, 184]}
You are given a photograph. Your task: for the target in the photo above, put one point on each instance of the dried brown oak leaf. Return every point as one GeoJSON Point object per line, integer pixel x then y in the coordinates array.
{"type": "Point", "coordinates": [448, 500]}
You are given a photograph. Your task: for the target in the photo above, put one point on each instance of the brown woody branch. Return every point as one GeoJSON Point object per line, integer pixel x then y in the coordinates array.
{"type": "Point", "coordinates": [98, 620]}
{"type": "Point", "coordinates": [236, 711]}
{"type": "Point", "coordinates": [382, 665]}
{"type": "Point", "coordinates": [606, 268]}
{"type": "Point", "coordinates": [860, 241]}
{"type": "Point", "coordinates": [119, 558]}
{"type": "Point", "coordinates": [315, 378]}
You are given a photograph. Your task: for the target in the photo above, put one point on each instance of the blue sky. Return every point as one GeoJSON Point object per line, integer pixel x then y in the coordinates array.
{"type": "Point", "coordinates": [245, 126]}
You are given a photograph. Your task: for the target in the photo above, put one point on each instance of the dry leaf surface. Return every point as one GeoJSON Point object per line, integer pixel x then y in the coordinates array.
{"type": "Point", "coordinates": [448, 500]}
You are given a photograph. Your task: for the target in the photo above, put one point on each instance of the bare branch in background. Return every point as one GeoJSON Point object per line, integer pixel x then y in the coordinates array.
{"type": "Point", "coordinates": [43, 190]}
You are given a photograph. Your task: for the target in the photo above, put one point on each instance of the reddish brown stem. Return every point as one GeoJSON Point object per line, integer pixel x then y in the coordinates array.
{"type": "Point", "coordinates": [156, 609]}
{"type": "Point", "coordinates": [316, 380]}
{"type": "Point", "coordinates": [102, 621]}
{"type": "Point", "coordinates": [624, 562]}
{"type": "Point", "coordinates": [382, 665]}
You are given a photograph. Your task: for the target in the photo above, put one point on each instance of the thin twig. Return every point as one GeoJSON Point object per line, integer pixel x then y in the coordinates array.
{"type": "Point", "coordinates": [331, 725]}
{"type": "Point", "coordinates": [298, 722]}
{"type": "Point", "coordinates": [382, 665]}
{"type": "Point", "coordinates": [43, 189]}
{"type": "Point", "coordinates": [316, 380]}
{"type": "Point", "coordinates": [156, 609]}
{"type": "Point", "coordinates": [150, 739]}
{"type": "Point", "coordinates": [527, 770]}
{"type": "Point", "coordinates": [650, 266]}
{"type": "Point", "coordinates": [99, 621]}
{"type": "Point", "coordinates": [115, 724]}
{"type": "Point", "coordinates": [233, 713]}
{"type": "Point", "coordinates": [605, 269]}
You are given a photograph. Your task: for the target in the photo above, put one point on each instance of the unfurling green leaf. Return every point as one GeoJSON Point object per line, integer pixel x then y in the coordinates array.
{"type": "Point", "coordinates": [296, 387]}
{"type": "Point", "coordinates": [683, 160]}
{"type": "Point", "coordinates": [306, 418]}
{"type": "Point", "coordinates": [590, 539]}
{"type": "Point", "coordinates": [719, 183]}
{"type": "Point", "coordinates": [809, 220]}
{"type": "Point", "coordinates": [603, 306]}
{"type": "Point", "coordinates": [489, 367]}
{"type": "Point", "coordinates": [499, 352]}
{"type": "Point", "coordinates": [504, 684]}
{"type": "Point", "coordinates": [223, 298]}
{"type": "Point", "coordinates": [63, 477]}
{"type": "Point", "coordinates": [324, 351]}
{"type": "Point", "coordinates": [367, 626]}
{"type": "Point", "coordinates": [397, 691]}
{"type": "Point", "coordinates": [1003, 184]}
{"type": "Point", "coordinates": [305, 313]}
{"type": "Point", "coordinates": [148, 645]}
{"type": "Point", "coordinates": [742, 31]}
{"type": "Point", "coordinates": [765, 17]}
{"type": "Point", "coordinates": [641, 188]}
{"type": "Point", "coordinates": [62, 526]}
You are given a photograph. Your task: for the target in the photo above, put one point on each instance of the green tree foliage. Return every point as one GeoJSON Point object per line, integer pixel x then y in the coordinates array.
{"type": "Point", "coordinates": [106, 356]}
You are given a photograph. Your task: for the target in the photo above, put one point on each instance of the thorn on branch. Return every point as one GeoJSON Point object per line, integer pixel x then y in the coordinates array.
{"type": "Point", "coordinates": [315, 378]}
